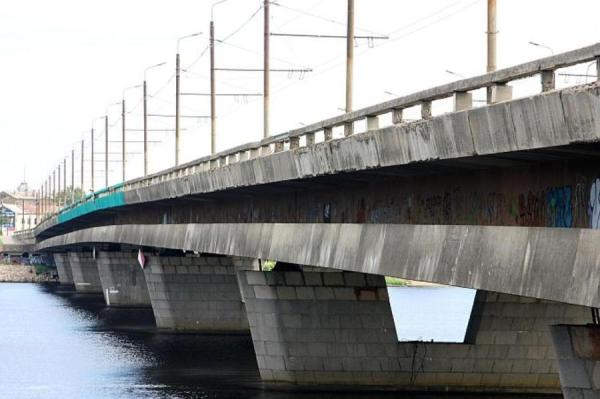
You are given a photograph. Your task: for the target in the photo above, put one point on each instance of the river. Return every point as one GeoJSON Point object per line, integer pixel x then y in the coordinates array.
{"type": "Point", "coordinates": [56, 344]}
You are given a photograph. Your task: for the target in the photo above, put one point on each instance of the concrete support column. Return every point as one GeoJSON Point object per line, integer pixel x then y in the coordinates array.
{"type": "Point", "coordinates": [85, 272]}
{"type": "Point", "coordinates": [320, 327]}
{"type": "Point", "coordinates": [65, 275]}
{"type": "Point", "coordinates": [577, 350]}
{"type": "Point", "coordinates": [198, 293]}
{"type": "Point", "coordinates": [122, 278]}
{"type": "Point", "coordinates": [337, 328]}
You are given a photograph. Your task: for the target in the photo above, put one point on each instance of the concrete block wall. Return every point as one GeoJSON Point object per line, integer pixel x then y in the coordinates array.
{"type": "Point", "coordinates": [337, 328]}
{"type": "Point", "coordinates": [65, 275]}
{"type": "Point", "coordinates": [122, 278]}
{"type": "Point", "coordinates": [85, 272]}
{"type": "Point", "coordinates": [197, 293]}
{"type": "Point", "coordinates": [578, 352]}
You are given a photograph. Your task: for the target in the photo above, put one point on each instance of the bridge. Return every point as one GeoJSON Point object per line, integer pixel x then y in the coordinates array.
{"type": "Point", "coordinates": [502, 198]}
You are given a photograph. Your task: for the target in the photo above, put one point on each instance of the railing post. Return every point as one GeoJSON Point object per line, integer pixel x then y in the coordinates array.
{"type": "Point", "coordinates": [426, 110]}
{"type": "Point", "coordinates": [310, 139]}
{"type": "Point", "coordinates": [462, 101]}
{"type": "Point", "coordinates": [265, 150]}
{"type": "Point", "coordinates": [372, 123]}
{"type": "Point", "coordinates": [548, 80]}
{"type": "Point", "coordinates": [294, 143]}
{"type": "Point", "coordinates": [500, 92]}
{"type": "Point", "coordinates": [278, 146]}
{"type": "Point", "coordinates": [328, 133]}
{"type": "Point", "coordinates": [597, 68]}
{"type": "Point", "coordinates": [348, 129]}
{"type": "Point", "coordinates": [397, 116]}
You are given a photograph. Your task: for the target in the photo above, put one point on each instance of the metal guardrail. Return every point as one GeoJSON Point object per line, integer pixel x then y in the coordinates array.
{"type": "Point", "coordinates": [496, 82]}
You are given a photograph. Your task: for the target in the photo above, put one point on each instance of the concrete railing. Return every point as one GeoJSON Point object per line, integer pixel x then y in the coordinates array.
{"type": "Point", "coordinates": [496, 83]}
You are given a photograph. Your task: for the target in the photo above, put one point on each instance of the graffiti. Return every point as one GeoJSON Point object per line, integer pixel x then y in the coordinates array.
{"type": "Point", "coordinates": [383, 214]}
{"type": "Point", "coordinates": [560, 211]}
{"type": "Point", "coordinates": [594, 205]}
{"type": "Point", "coordinates": [530, 210]}
{"type": "Point", "coordinates": [327, 213]}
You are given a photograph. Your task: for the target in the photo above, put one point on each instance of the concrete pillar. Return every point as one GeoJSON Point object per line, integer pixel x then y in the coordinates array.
{"type": "Point", "coordinates": [122, 278]}
{"type": "Point", "coordinates": [65, 275]}
{"type": "Point", "coordinates": [578, 353]}
{"type": "Point", "coordinates": [85, 272]}
{"type": "Point", "coordinates": [337, 328]}
{"type": "Point", "coordinates": [196, 293]}
{"type": "Point", "coordinates": [500, 93]}
{"type": "Point", "coordinates": [463, 101]}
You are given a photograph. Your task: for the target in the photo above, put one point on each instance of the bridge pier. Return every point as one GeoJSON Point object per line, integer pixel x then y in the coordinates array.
{"type": "Point", "coordinates": [337, 328]}
{"type": "Point", "coordinates": [578, 353]}
{"type": "Point", "coordinates": [85, 272]}
{"type": "Point", "coordinates": [122, 279]}
{"type": "Point", "coordinates": [63, 267]}
{"type": "Point", "coordinates": [196, 293]}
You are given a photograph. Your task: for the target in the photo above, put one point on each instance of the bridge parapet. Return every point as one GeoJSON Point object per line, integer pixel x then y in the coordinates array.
{"type": "Point", "coordinates": [309, 136]}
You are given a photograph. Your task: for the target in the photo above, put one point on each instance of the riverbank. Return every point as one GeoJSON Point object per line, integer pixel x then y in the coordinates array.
{"type": "Point", "coordinates": [22, 274]}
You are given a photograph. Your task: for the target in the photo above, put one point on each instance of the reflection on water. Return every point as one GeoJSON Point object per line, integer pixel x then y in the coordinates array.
{"type": "Point", "coordinates": [64, 345]}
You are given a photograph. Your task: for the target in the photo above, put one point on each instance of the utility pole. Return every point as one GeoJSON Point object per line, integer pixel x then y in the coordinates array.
{"type": "Point", "coordinates": [123, 158]}
{"type": "Point", "coordinates": [350, 56]}
{"type": "Point", "coordinates": [53, 189]}
{"type": "Point", "coordinates": [72, 175]}
{"type": "Point", "coordinates": [92, 158]}
{"type": "Point", "coordinates": [58, 191]}
{"type": "Point", "coordinates": [82, 168]}
{"type": "Point", "coordinates": [65, 181]}
{"type": "Point", "coordinates": [145, 131]}
{"type": "Point", "coordinates": [213, 105]}
{"type": "Point", "coordinates": [177, 95]}
{"type": "Point", "coordinates": [266, 67]}
{"type": "Point", "coordinates": [106, 150]}
{"type": "Point", "coordinates": [491, 35]}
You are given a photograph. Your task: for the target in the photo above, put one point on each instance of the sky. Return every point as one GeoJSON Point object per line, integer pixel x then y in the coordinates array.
{"type": "Point", "coordinates": [65, 64]}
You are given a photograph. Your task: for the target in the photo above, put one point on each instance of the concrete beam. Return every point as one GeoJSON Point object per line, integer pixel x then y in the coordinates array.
{"type": "Point", "coordinates": [122, 279]}
{"type": "Point", "coordinates": [548, 263]}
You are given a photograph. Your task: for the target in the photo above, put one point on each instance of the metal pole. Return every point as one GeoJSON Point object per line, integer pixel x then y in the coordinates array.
{"type": "Point", "coordinates": [491, 35]}
{"type": "Point", "coordinates": [82, 168]}
{"type": "Point", "coordinates": [145, 131]}
{"type": "Point", "coordinates": [53, 188]}
{"type": "Point", "coordinates": [106, 151]}
{"type": "Point", "coordinates": [72, 175]}
{"type": "Point", "coordinates": [266, 68]}
{"type": "Point", "coordinates": [37, 206]}
{"type": "Point", "coordinates": [58, 191]}
{"type": "Point", "coordinates": [92, 160]}
{"type": "Point", "coordinates": [123, 137]}
{"type": "Point", "coordinates": [213, 105]}
{"type": "Point", "coordinates": [65, 181]}
{"type": "Point", "coordinates": [177, 93]}
{"type": "Point", "coordinates": [350, 56]}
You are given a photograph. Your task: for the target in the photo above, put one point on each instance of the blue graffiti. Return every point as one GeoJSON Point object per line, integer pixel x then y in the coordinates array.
{"type": "Point", "coordinates": [560, 211]}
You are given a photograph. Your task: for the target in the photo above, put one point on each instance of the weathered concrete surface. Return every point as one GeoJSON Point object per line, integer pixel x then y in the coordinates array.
{"type": "Point", "coordinates": [122, 278]}
{"type": "Point", "coordinates": [195, 294]}
{"type": "Point", "coordinates": [551, 119]}
{"type": "Point", "coordinates": [547, 263]}
{"type": "Point", "coordinates": [85, 272]}
{"type": "Point", "coordinates": [63, 266]}
{"type": "Point", "coordinates": [337, 328]}
{"type": "Point", "coordinates": [578, 353]}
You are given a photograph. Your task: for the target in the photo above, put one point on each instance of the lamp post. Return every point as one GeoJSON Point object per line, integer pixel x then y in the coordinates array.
{"type": "Point", "coordinates": [178, 93]}
{"type": "Point", "coordinates": [146, 115]}
{"type": "Point", "coordinates": [536, 44]}
{"type": "Point", "coordinates": [213, 102]}
{"type": "Point", "coordinates": [92, 152]}
{"type": "Point", "coordinates": [106, 143]}
{"type": "Point", "coordinates": [123, 128]}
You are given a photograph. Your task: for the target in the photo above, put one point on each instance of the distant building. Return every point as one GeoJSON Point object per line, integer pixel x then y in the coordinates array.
{"type": "Point", "coordinates": [18, 209]}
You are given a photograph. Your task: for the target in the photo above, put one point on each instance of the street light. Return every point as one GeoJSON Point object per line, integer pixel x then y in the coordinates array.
{"type": "Point", "coordinates": [542, 46]}
{"type": "Point", "coordinates": [454, 73]}
{"type": "Point", "coordinates": [92, 152]}
{"type": "Point", "coordinates": [146, 115]}
{"type": "Point", "coordinates": [213, 102]}
{"type": "Point", "coordinates": [177, 94]}
{"type": "Point", "coordinates": [123, 118]}
{"type": "Point", "coordinates": [106, 143]}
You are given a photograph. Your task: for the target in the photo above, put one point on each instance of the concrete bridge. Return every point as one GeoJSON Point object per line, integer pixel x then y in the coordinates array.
{"type": "Point", "coordinates": [503, 198]}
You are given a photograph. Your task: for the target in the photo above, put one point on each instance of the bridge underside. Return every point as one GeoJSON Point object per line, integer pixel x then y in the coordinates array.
{"type": "Point", "coordinates": [546, 263]}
